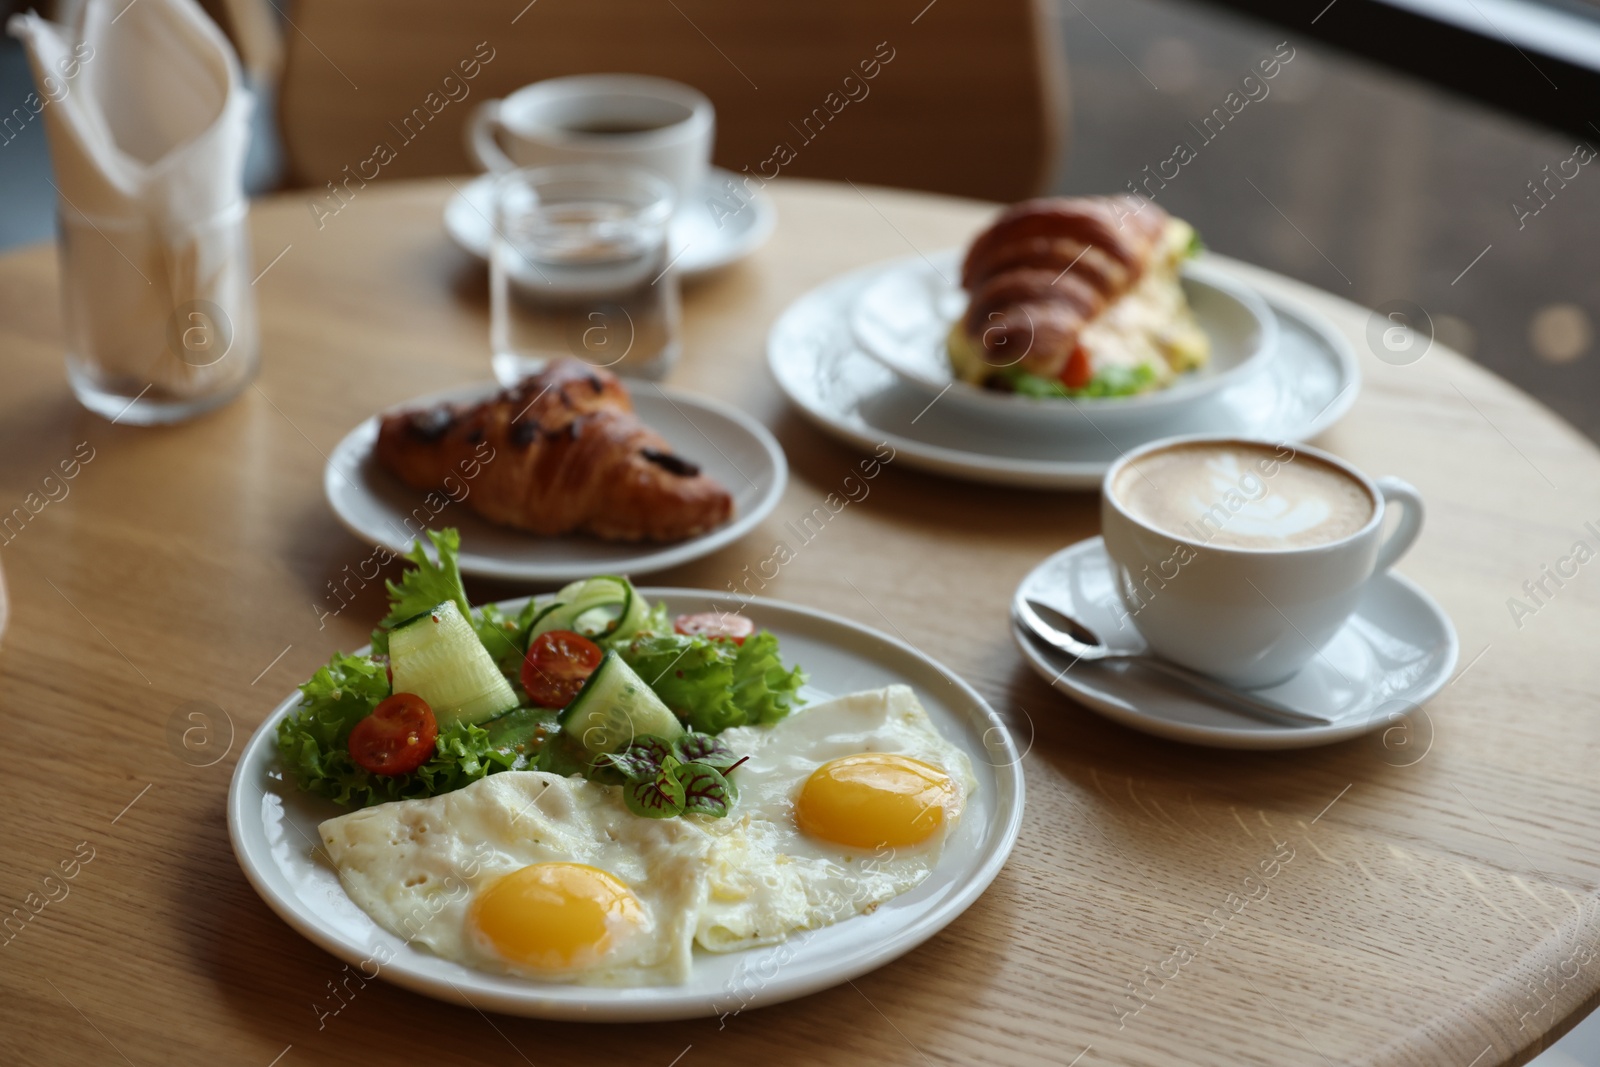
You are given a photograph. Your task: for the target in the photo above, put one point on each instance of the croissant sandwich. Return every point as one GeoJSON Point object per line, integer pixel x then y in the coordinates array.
{"type": "Point", "coordinates": [1078, 296]}
{"type": "Point", "coordinates": [568, 455]}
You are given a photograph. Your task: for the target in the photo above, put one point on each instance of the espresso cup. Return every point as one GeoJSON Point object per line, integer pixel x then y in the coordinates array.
{"type": "Point", "coordinates": [1240, 558]}
{"type": "Point", "coordinates": [620, 119]}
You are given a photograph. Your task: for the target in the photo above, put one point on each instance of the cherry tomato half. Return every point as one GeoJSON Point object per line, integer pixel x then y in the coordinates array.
{"type": "Point", "coordinates": [1076, 374]}
{"type": "Point", "coordinates": [724, 624]}
{"type": "Point", "coordinates": [396, 738]}
{"type": "Point", "coordinates": [556, 666]}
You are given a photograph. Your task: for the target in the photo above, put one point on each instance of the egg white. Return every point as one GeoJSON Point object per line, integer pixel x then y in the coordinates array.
{"type": "Point", "coordinates": [750, 879]}
{"type": "Point", "coordinates": [767, 878]}
{"type": "Point", "coordinates": [416, 865]}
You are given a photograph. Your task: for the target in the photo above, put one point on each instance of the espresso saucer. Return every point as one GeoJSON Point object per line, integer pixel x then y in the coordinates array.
{"type": "Point", "coordinates": [702, 239]}
{"type": "Point", "coordinates": [1397, 650]}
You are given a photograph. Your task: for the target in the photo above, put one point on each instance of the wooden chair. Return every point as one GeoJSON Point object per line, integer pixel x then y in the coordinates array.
{"type": "Point", "coordinates": [968, 97]}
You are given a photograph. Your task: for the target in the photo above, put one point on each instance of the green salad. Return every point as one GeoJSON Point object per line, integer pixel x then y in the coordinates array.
{"type": "Point", "coordinates": [1114, 380]}
{"type": "Point", "coordinates": [592, 681]}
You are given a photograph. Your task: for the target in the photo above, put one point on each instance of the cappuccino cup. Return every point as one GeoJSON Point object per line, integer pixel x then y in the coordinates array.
{"type": "Point", "coordinates": [1241, 558]}
{"type": "Point", "coordinates": [621, 119]}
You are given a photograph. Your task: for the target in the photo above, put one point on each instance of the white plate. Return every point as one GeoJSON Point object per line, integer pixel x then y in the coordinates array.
{"type": "Point", "coordinates": [1397, 650]}
{"type": "Point", "coordinates": [274, 831]}
{"type": "Point", "coordinates": [1305, 387]}
{"type": "Point", "coordinates": [727, 444]}
{"type": "Point", "coordinates": [904, 315]}
{"type": "Point", "coordinates": [702, 239]}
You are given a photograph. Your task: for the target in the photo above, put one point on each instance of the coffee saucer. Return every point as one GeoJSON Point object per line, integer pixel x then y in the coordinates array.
{"type": "Point", "coordinates": [704, 237]}
{"type": "Point", "coordinates": [1397, 650]}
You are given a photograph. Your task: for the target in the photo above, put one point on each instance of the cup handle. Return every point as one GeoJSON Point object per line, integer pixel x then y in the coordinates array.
{"type": "Point", "coordinates": [481, 143]}
{"type": "Point", "coordinates": [1395, 491]}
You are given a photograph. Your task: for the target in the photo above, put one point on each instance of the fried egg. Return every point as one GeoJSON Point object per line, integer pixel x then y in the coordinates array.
{"type": "Point", "coordinates": [842, 806]}
{"type": "Point", "coordinates": [531, 874]}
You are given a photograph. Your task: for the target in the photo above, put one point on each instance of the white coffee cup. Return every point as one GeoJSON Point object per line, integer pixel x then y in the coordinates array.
{"type": "Point", "coordinates": [628, 119]}
{"type": "Point", "coordinates": [1250, 616]}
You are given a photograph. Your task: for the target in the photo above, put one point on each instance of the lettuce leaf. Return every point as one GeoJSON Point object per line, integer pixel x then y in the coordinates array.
{"type": "Point", "coordinates": [313, 740]}
{"type": "Point", "coordinates": [425, 586]}
{"type": "Point", "coordinates": [715, 684]}
{"type": "Point", "coordinates": [1108, 381]}
{"type": "Point", "coordinates": [506, 638]}
{"type": "Point", "coordinates": [762, 686]}
{"type": "Point", "coordinates": [710, 684]}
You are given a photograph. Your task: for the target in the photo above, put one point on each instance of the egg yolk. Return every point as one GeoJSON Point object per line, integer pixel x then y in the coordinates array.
{"type": "Point", "coordinates": [555, 916]}
{"type": "Point", "coordinates": [874, 799]}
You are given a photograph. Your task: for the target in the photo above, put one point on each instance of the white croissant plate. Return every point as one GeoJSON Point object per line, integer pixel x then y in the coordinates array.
{"type": "Point", "coordinates": [726, 443]}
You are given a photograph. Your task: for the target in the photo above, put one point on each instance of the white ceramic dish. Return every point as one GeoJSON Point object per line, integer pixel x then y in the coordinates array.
{"type": "Point", "coordinates": [728, 444]}
{"type": "Point", "coordinates": [1297, 393]}
{"type": "Point", "coordinates": [702, 239]}
{"type": "Point", "coordinates": [905, 312]}
{"type": "Point", "coordinates": [274, 831]}
{"type": "Point", "coordinates": [1397, 650]}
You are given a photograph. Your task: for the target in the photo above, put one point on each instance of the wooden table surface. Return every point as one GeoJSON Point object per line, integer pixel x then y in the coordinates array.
{"type": "Point", "coordinates": [1428, 899]}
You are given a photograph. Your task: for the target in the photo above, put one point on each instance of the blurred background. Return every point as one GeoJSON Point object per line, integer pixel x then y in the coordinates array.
{"type": "Point", "coordinates": [1393, 159]}
{"type": "Point", "coordinates": [1364, 179]}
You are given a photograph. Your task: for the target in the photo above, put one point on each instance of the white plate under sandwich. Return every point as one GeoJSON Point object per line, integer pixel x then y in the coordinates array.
{"type": "Point", "coordinates": [726, 443]}
{"type": "Point", "coordinates": [905, 312]}
{"type": "Point", "coordinates": [273, 826]}
{"type": "Point", "coordinates": [1296, 392]}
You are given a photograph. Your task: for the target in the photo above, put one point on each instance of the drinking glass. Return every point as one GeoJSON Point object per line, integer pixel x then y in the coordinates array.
{"type": "Point", "coordinates": [579, 268]}
{"type": "Point", "coordinates": [160, 322]}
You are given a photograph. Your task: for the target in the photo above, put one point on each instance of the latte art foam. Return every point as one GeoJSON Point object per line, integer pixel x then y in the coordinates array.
{"type": "Point", "coordinates": [1239, 495]}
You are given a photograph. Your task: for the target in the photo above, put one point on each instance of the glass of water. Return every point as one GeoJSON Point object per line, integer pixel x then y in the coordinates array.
{"type": "Point", "coordinates": [580, 267]}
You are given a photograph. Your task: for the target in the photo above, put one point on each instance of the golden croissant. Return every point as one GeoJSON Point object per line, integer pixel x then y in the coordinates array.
{"type": "Point", "coordinates": [568, 455]}
{"type": "Point", "coordinates": [1045, 268]}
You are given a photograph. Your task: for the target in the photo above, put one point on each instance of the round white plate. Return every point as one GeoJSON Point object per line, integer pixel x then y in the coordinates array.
{"type": "Point", "coordinates": [904, 315]}
{"type": "Point", "coordinates": [717, 227]}
{"type": "Point", "coordinates": [1303, 388]}
{"type": "Point", "coordinates": [727, 444]}
{"type": "Point", "coordinates": [274, 831]}
{"type": "Point", "coordinates": [1397, 650]}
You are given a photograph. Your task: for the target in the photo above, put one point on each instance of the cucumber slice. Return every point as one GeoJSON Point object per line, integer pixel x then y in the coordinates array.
{"type": "Point", "coordinates": [600, 609]}
{"type": "Point", "coordinates": [615, 706]}
{"type": "Point", "coordinates": [521, 730]}
{"type": "Point", "coordinates": [438, 656]}
{"type": "Point", "coordinates": [560, 755]}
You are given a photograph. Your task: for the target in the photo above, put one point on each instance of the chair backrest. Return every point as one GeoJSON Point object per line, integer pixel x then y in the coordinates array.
{"type": "Point", "coordinates": [967, 96]}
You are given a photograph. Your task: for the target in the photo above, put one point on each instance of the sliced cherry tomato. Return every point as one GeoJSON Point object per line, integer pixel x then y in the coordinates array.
{"type": "Point", "coordinates": [1076, 374]}
{"type": "Point", "coordinates": [556, 666]}
{"type": "Point", "coordinates": [724, 624]}
{"type": "Point", "coordinates": [397, 737]}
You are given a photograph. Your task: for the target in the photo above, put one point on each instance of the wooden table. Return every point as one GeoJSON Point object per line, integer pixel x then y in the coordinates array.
{"type": "Point", "coordinates": [1439, 905]}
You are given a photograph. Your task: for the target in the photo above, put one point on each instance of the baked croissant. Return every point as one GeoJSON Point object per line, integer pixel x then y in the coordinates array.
{"type": "Point", "coordinates": [1048, 269]}
{"type": "Point", "coordinates": [565, 454]}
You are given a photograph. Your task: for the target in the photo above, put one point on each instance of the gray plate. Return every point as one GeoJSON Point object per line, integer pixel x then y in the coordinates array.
{"type": "Point", "coordinates": [1303, 388]}
{"type": "Point", "coordinates": [903, 319]}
